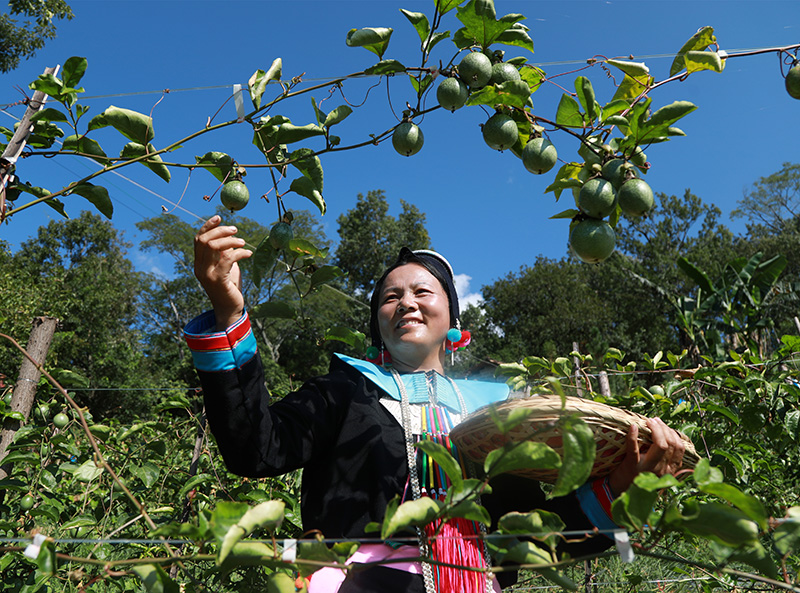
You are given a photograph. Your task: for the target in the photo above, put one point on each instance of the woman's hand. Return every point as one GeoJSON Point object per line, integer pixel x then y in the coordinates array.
{"type": "Point", "coordinates": [216, 253]}
{"type": "Point", "coordinates": [664, 456]}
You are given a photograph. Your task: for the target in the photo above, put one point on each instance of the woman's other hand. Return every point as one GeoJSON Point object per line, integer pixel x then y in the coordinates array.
{"type": "Point", "coordinates": [664, 456]}
{"type": "Point", "coordinates": [217, 252]}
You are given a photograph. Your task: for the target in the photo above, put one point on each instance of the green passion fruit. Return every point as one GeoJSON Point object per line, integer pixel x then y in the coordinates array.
{"type": "Point", "coordinates": [539, 155]}
{"type": "Point", "coordinates": [592, 241]}
{"type": "Point", "coordinates": [635, 197]}
{"type": "Point", "coordinates": [280, 234]}
{"type": "Point", "coordinates": [793, 81]}
{"type": "Point", "coordinates": [60, 420]}
{"type": "Point", "coordinates": [475, 69]}
{"type": "Point", "coordinates": [597, 198]}
{"type": "Point", "coordinates": [616, 171]}
{"type": "Point", "coordinates": [452, 94]}
{"type": "Point", "coordinates": [234, 195]}
{"type": "Point", "coordinates": [503, 72]}
{"type": "Point", "coordinates": [407, 139]}
{"type": "Point", "coordinates": [500, 131]}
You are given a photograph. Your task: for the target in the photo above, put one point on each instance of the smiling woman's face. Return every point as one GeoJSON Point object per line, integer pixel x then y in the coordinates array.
{"type": "Point", "coordinates": [413, 318]}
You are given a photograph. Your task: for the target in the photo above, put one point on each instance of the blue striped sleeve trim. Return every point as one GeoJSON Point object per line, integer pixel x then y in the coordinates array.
{"type": "Point", "coordinates": [594, 511]}
{"type": "Point", "coordinates": [215, 351]}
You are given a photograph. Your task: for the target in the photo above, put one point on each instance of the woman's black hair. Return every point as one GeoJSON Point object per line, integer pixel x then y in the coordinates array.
{"type": "Point", "coordinates": [437, 265]}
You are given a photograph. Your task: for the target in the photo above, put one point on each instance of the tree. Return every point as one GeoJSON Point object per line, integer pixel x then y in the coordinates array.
{"type": "Point", "coordinates": [370, 239]}
{"type": "Point", "coordinates": [18, 41]}
{"type": "Point", "coordinates": [81, 269]}
{"type": "Point", "coordinates": [773, 204]}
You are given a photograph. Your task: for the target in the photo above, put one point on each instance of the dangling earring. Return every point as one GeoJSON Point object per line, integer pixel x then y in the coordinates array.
{"type": "Point", "coordinates": [378, 357]}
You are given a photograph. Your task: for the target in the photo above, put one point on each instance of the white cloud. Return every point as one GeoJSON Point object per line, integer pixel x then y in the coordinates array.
{"type": "Point", "coordinates": [465, 297]}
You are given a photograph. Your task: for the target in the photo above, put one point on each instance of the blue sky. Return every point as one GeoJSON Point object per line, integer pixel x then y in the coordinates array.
{"type": "Point", "coordinates": [485, 212]}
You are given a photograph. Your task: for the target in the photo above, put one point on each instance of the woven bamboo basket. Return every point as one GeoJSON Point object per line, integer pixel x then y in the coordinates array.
{"type": "Point", "coordinates": [477, 435]}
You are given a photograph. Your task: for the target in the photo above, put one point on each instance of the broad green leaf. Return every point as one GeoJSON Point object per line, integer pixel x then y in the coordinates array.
{"type": "Point", "coordinates": [703, 60]}
{"type": "Point", "coordinates": [462, 501]}
{"type": "Point", "coordinates": [516, 35]}
{"type": "Point", "coordinates": [420, 22]}
{"type": "Point", "coordinates": [436, 38]}
{"type": "Point", "coordinates": [324, 275]}
{"type": "Point", "coordinates": [518, 456]}
{"type": "Point", "coordinates": [155, 579]}
{"type": "Point", "coordinates": [309, 165]}
{"type": "Point", "coordinates": [88, 471]}
{"type": "Point", "coordinates": [529, 554]}
{"type": "Point", "coordinates": [288, 133]}
{"type": "Point", "coordinates": [696, 274]}
{"type": "Point", "coordinates": [748, 504]}
{"type": "Point", "coordinates": [386, 67]}
{"type": "Point", "coordinates": [631, 88]}
{"type": "Point", "coordinates": [267, 515]}
{"type": "Point", "coordinates": [133, 150]}
{"type": "Point", "coordinates": [48, 114]}
{"type": "Point", "coordinates": [97, 195]}
{"type": "Point", "coordinates": [787, 534]}
{"type": "Point", "coordinates": [48, 84]}
{"type": "Point", "coordinates": [306, 248]}
{"type": "Point", "coordinates": [533, 76]}
{"type": "Point", "coordinates": [46, 561]}
{"type": "Point", "coordinates": [315, 550]}
{"type": "Point", "coordinates": [193, 483]}
{"type": "Point", "coordinates": [481, 26]}
{"type": "Point", "coordinates": [635, 69]}
{"type": "Point", "coordinates": [669, 114]}
{"type": "Point", "coordinates": [413, 513]}
{"type": "Point", "coordinates": [147, 472]}
{"type": "Point", "coordinates": [631, 509]}
{"type": "Point", "coordinates": [727, 412]}
{"type": "Point", "coordinates": [508, 422]}
{"type": "Point", "coordinates": [262, 261]}
{"type": "Point", "coordinates": [307, 188]}
{"type": "Point", "coordinates": [86, 146]}
{"type": "Point", "coordinates": [445, 6]}
{"type": "Point", "coordinates": [280, 582]}
{"type": "Point", "coordinates": [101, 431]}
{"type": "Point", "coordinates": [755, 555]}
{"type": "Point", "coordinates": [514, 93]}
{"type": "Point", "coordinates": [73, 70]}
{"type": "Point", "coordinates": [569, 113]}
{"type": "Point", "coordinates": [578, 452]}
{"type": "Point", "coordinates": [219, 164]}
{"type": "Point", "coordinates": [541, 525]}
{"type": "Point", "coordinates": [259, 80]}
{"type": "Point", "coordinates": [375, 39]}
{"type": "Point", "coordinates": [585, 91]}
{"type": "Point", "coordinates": [337, 115]}
{"type": "Point", "coordinates": [355, 339]}
{"type": "Point", "coordinates": [82, 521]}
{"type": "Point", "coordinates": [697, 42]}
{"type": "Point", "coordinates": [616, 120]}
{"type": "Point", "coordinates": [131, 124]}
{"type": "Point", "coordinates": [444, 459]}
{"type": "Point", "coordinates": [274, 310]}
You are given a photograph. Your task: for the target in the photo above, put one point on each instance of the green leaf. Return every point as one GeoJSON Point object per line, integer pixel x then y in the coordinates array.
{"type": "Point", "coordinates": [46, 561]}
{"type": "Point", "coordinates": [375, 39]}
{"type": "Point", "coordinates": [48, 114]}
{"type": "Point", "coordinates": [436, 38]}
{"type": "Point", "coordinates": [703, 60]}
{"type": "Point", "coordinates": [324, 275]}
{"type": "Point", "coordinates": [446, 6]}
{"type": "Point", "coordinates": [48, 84]}
{"type": "Point", "coordinates": [147, 472]}
{"type": "Point", "coordinates": [309, 165]}
{"type": "Point", "coordinates": [481, 26]}
{"type": "Point", "coordinates": [514, 93]}
{"type": "Point", "coordinates": [697, 42]}
{"type": "Point", "coordinates": [420, 22]}
{"type": "Point", "coordinates": [515, 552]}
{"type": "Point", "coordinates": [509, 421]}
{"type": "Point", "coordinates": [569, 113]}
{"type": "Point", "coordinates": [262, 261]}
{"type": "Point", "coordinates": [83, 521]}
{"type": "Point", "coordinates": [97, 195]}
{"type": "Point", "coordinates": [308, 189]}
{"type": "Point", "coordinates": [634, 69]}
{"type": "Point", "coordinates": [155, 579]}
{"type": "Point", "coordinates": [288, 133]}
{"type": "Point", "coordinates": [274, 310]}
{"type": "Point", "coordinates": [73, 70]}
{"type": "Point", "coordinates": [219, 164]}
{"type": "Point", "coordinates": [86, 146]}
{"type": "Point", "coordinates": [541, 525]}
{"type": "Point", "coordinates": [444, 459]}
{"type": "Point", "coordinates": [578, 452]}
{"type": "Point", "coordinates": [697, 275]}
{"type": "Point", "coordinates": [88, 471]}
{"type": "Point", "coordinates": [533, 76]}
{"type": "Point", "coordinates": [267, 515]}
{"type": "Point", "coordinates": [193, 483]}
{"type": "Point", "coordinates": [131, 124]}
{"type": "Point", "coordinates": [411, 514]}
{"type": "Point", "coordinates": [355, 339]}
{"type": "Point", "coordinates": [585, 91]}
{"type": "Point", "coordinates": [259, 80]}
{"type": "Point", "coordinates": [669, 114]}
{"type": "Point", "coordinates": [280, 582]}
{"type": "Point", "coordinates": [385, 67]}
{"type": "Point", "coordinates": [462, 501]}
{"type": "Point", "coordinates": [748, 504]}
{"type": "Point", "coordinates": [787, 534]}
{"type": "Point", "coordinates": [631, 88]}
{"type": "Point", "coordinates": [337, 115]}
{"type": "Point", "coordinates": [519, 456]}
{"type": "Point", "coordinates": [133, 150]}
{"type": "Point", "coordinates": [616, 120]}
{"type": "Point", "coordinates": [516, 35]}
{"type": "Point", "coordinates": [631, 509]}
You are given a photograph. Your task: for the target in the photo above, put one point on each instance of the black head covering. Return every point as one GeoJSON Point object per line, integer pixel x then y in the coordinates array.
{"type": "Point", "coordinates": [436, 265]}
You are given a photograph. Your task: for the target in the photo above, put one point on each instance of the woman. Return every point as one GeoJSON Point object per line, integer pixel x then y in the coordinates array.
{"type": "Point", "coordinates": [352, 430]}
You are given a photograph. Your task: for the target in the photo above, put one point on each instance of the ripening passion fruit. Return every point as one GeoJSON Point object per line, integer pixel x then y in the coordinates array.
{"type": "Point", "coordinates": [452, 94]}
{"type": "Point", "coordinates": [539, 155]}
{"type": "Point", "coordinates": [407, 139]}
{"type": "Point", "coordinates": [500, 131]}
{"type": "Point", "coordinates": [475, 70]}
{"type": "Point", "coordinates": [503, 72]}
{"type": "Point", "coordinates": [592, 241]}
{"type": "Point", "coordinates": [597, 198]}
{"type": "Point", "coordinates": [635, 197]}
{"type": "Point", "coordinates": [234, 195]}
